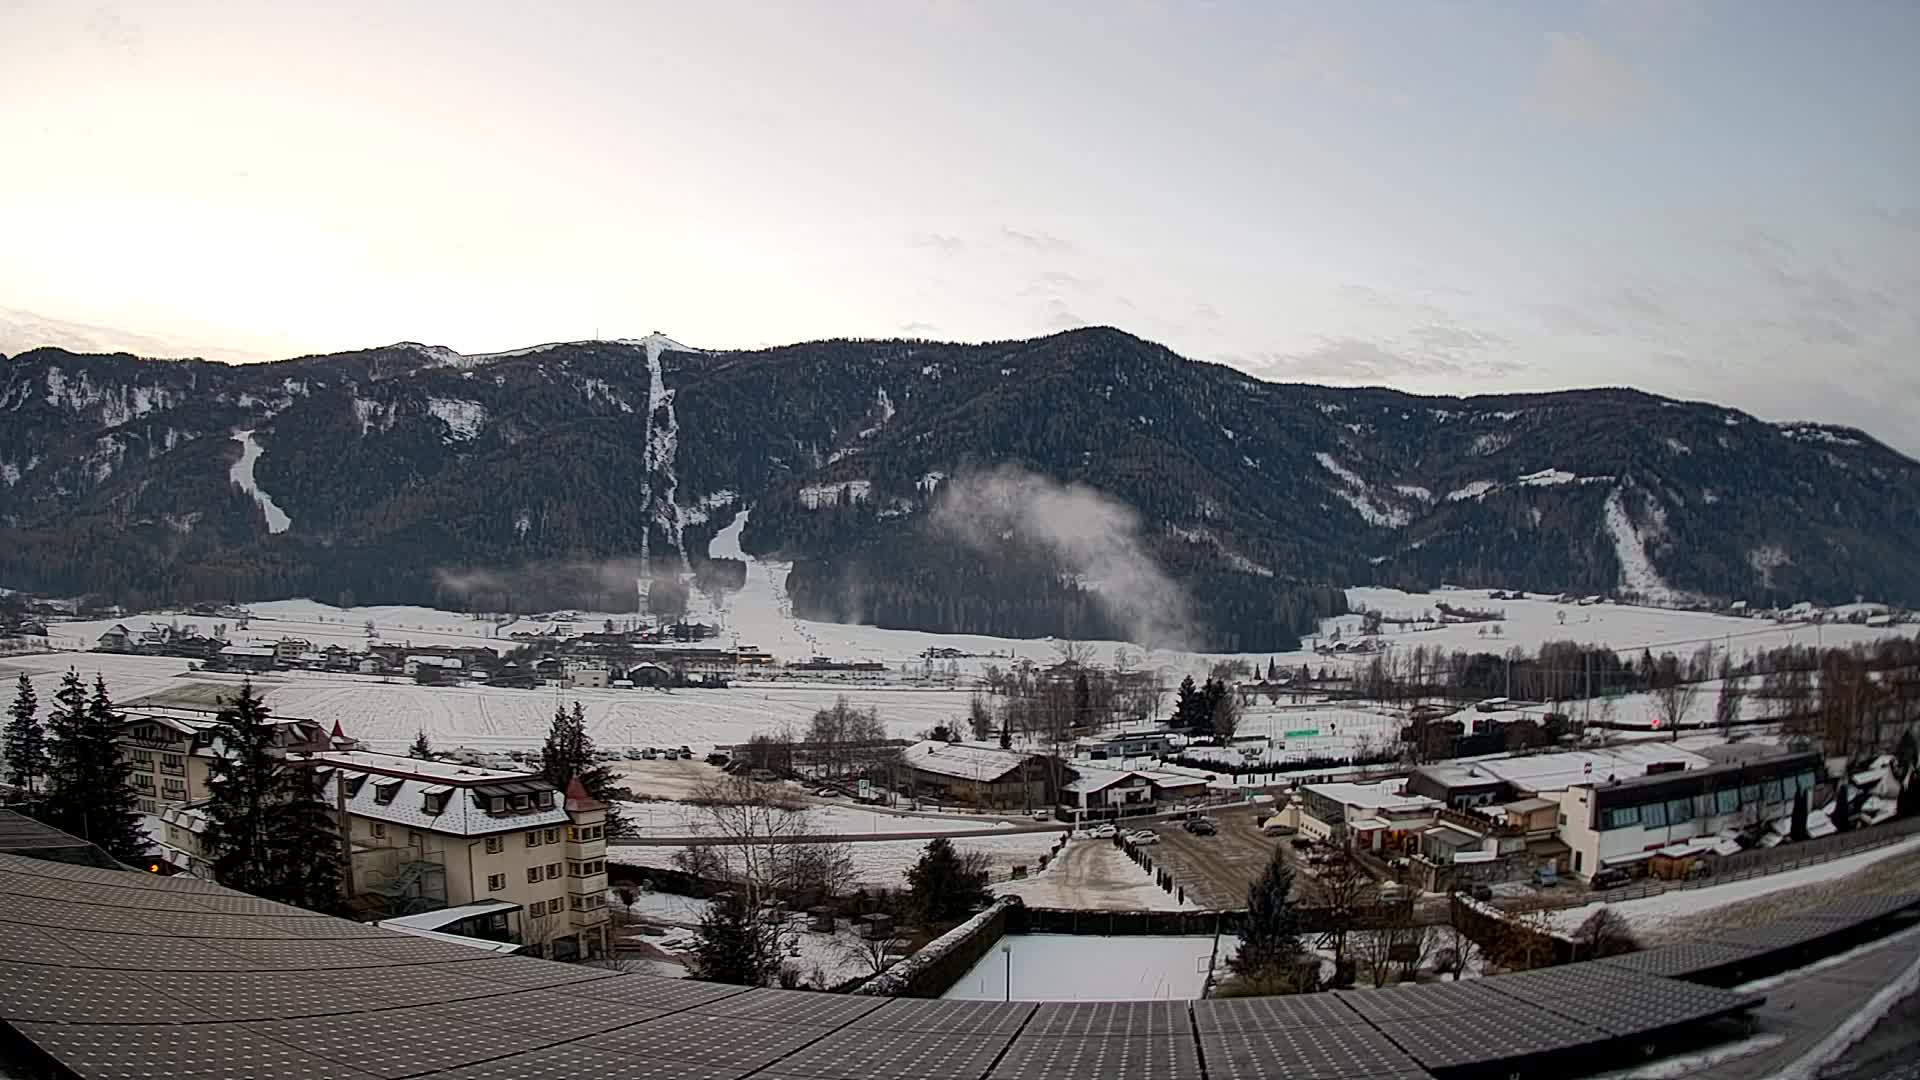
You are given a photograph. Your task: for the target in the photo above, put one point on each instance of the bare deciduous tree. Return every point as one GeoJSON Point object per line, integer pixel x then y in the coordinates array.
{"type": "Point", "coordinates": [1605, 933]}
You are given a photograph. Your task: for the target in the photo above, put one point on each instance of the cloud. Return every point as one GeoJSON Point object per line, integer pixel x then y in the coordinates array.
{"type": "Point", "coordinates": [1061, 317]}
{"type": "Point", "coordinates": [1321, 61]}
{"type": "Point", "coordinates": [946, 245]}
{"type": "Point", "coordinates": [1448, 351]}
{"type": "Point", "coordinates": [1053, 283]}
{"type": "Point", "coordinates": [1089, 534]}
{"type": "Point", "coordinates": [1443, 337]}
{"type": "Point", "coordinates": [1036, 240]}
{"type": "Point", "coordinates": [24, 330]}
{"type": "Point", "coordinates": [1207, 312]}
{"type": "Point", "coordinates": [918, 329]}
{"type": "Point", "coordinates": [1580, 82]}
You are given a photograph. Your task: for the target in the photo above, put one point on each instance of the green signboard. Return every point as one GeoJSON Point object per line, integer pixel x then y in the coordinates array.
{"type": "Point", "coordinates": [1303, 733]}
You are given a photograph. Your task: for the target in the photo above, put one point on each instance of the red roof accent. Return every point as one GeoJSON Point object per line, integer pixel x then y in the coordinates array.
{"type": "Point", "coordinates": [578, 801]}
{"type": "Point", "coordinates": [337, 733]}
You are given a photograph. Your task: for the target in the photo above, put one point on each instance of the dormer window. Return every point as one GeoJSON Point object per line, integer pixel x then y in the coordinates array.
{"type": "Point", "coordinates": [521, 802]}
{"type": "Point", "coordinates": [497, 804]}
{"type": "Point", "coordinates": [544, 800]}
{"type": "Point", "coordinates": [435, 798]}
{"type": "Point", "coordinates": [385, 790]}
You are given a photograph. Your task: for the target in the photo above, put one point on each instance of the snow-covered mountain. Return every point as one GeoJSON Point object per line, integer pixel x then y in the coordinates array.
{"type": "Point", "coordinates": [413, 473]}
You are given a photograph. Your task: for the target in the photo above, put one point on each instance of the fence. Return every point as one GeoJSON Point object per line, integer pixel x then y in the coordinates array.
{"type": "Point", "coordinates": [933, 970]}
{"type": "Point", "coordinates": [1753, 864]}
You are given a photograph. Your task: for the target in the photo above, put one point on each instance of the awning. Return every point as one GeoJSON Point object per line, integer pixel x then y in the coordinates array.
{"type": "Point", "coordinates": [434, 920]}
{"type": "Point", "coordinates": [1628, 859]}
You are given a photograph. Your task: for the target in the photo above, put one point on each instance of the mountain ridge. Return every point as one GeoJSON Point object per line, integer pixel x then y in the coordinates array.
{"type": "Point", "coordinates": [399, 462]}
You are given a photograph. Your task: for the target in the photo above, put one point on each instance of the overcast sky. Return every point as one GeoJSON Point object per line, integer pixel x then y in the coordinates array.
{"type": "Point", "coordinates": [1716, 200]}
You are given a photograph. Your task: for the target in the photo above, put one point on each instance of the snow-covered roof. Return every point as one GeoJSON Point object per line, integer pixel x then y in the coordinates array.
{"type": "Point", "coordinates": [1470, 857]}
{"type": "Point", "coordinates": [962, 761]}
{"type": "Point", "coordinates": [1383, 796]}
{"type": "Point", "coordinates": [482, 944]}
{"type": "Point", "coordinates": [417, 768]}
{"type": "Point", "coordinates": [1559, 771]}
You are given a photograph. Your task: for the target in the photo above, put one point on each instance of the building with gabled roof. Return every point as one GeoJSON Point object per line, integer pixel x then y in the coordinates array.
{"type": "Point", "coordinates": [978, 774]}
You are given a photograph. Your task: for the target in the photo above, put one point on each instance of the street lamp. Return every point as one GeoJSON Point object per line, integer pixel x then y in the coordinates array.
{"type": "Point", "coordinates": [1007, 951]}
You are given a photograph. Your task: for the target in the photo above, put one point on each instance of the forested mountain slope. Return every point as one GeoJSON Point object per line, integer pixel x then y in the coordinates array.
{"type": "Point", "coordinates": [554, 474]}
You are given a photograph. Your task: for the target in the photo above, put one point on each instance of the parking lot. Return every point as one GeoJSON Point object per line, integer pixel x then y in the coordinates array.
{"type": "Point", "coordinates": [1216, 870]}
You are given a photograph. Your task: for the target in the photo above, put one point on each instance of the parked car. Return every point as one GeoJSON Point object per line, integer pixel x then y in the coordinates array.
{"type": "Point", "coordinates": [685, 753]}
{"type": "Point", "coordinates": [1144, 836]}
{"type": "Point", "coordinates": [1042, 815]}
{"type": "Point", "coordinates": [826, 793]}
{"type": "Point", "coordinates": [1202, 826]}
{"type": "Point", "coordinates": [717, 758]}
{"type": "Point", "coordinates": [1545, 877]}
{"type": "Point", "coordinates": [764, 776]}
{"type": "Point", "coordinates": [1611, 877]}
{"type": "Point", "coordinates": [649, 754]}
{"type": "Point", "coordinates": [1105, 832]}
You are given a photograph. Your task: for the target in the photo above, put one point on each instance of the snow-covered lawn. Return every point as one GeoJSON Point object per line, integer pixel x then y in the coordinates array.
{"type": "Point", "coordinates": [1649, 913]}
{"type": "Point", "coordinates": [883, 863]}
{"type": "Point", "coordinates": [683, 819]}
{"type": "Point", "coordinates": [1077, 967]}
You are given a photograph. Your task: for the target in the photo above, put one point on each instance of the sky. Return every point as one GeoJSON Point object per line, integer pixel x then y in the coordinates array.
{"type": "Point", "coordinates": [1710, 199]}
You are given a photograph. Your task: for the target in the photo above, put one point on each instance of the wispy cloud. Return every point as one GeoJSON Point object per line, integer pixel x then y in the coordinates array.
{"type": "Point", "coordinates": [1321, 61]}
{"type": "Point", "coordinates": [1582, 82]}
{"type": "Point", "coordinates": [1351, 359]}
{"type": "Point", "coordinates": [918, 329]}
{"type": "Point", "coordinates": [941, 242]}
{"type": "Point", "coordinates": [1035, 240]}
{"type": "Point", "coordinates": [1053, 283]}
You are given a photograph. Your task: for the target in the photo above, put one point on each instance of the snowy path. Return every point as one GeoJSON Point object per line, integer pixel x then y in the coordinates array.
{"type": "Point", "coordinates": [242, 474]}
{"type": "Point", "coordinates": [1092, 875]}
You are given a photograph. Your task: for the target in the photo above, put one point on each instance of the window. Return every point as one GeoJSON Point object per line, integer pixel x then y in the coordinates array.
{"type": "Point", "coordinates": [172, 762]}
{"type": "Point", "coordinates": [1654, 815]}
{"type": "Point", "coordinates": [496, 882]}
{"type": "Point", "coordinates": [553, 870]}
{"type": "Point", "coordinates": [379, 830]}
{"type": "Point", "coordinates": [143, 780]}
{"type": "Point", "coordinates": [435, 803]}
{"type": "Point", "coordinates": [1772, 791]}
{"type": "Point", "coordinates": [533, 875]}
{"type": "Point", "coordinates": [553, 836]}
{"type": "Point", "coordinates": [496, 804]}
{"type": "Point", "coordinates": [175, 788]}
{"type": "Point", "coordinates": [533, 838]}
{"type": "Point", "coordinates": [1620, 817]}
{"type": "Point", "coordinates": [383, 793]}
{"type": "Point", "coordinates": [537, 908]}
{"type": "Point", "coordinates": [1727, 800]}
{"type": "Point", "coordinates": [146, 806]}
{"type": "Point", "coordinates": [1804, 781]}
{"type": "Point", "coordinates": [495, 845]}
{"type": "Point", "coordinates": [1576, 862]}
{"type": "Point", "coordinates": [413, 838]}
{"type": "Point", "coordinates": [1749, 794]}
{"type": "Point", "coordinates": [1679, 810]}
{"type": "Point", "coordinates": [544, 800]}
{"type": "Point", "coordinates": [1563, 818]}
{"type": "Point", "coordinates": [143, 757]}
{"type": "Point", "coordinates": [520, 802]}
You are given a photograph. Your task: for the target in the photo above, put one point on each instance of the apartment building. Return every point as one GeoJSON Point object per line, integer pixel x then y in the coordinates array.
{"type": "Point", "coordinates": [169, 753]}
{"type": "Point", "coordinates": [431, 834]}
{"type": "Point", "coordinates": [1622, 822]}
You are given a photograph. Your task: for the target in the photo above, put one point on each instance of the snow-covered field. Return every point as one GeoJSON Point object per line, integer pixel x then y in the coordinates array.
{"type": "Point", "coordinates": [883, 863]}
{"type": "Point", "coordinates": [1533, 621]}
{"type": "Point", "coordinates": [1308, 732]}
{"type": "Point", "coordinates": [681, 819]}
{"type": "Point", "coordinates": [1075, 967]}
{"type": "Point", "coordinates": [911, 696]}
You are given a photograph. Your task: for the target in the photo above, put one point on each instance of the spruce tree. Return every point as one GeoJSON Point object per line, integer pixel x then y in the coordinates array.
{"type": "Point", "coordinates": [303, 840]}
{"type": "Point", "coordinates": [1270, 936]}
{"type": "Point", "coordinates": [268, 831]}
{"type": "Point", "coordinates": [89, 785]}
{"type": "Point", "coordinates": [25, 741]}
{"type": "Point", "coordinates": [421, 748]}
{"type": "Point", "coordinates": [945, 886]}
{"type": "Point", "coordinates": [731, 946]}
{"type": "Point", "coordinates": [240, 790]}
{"type": "Point", "coordinates": [568, 753]}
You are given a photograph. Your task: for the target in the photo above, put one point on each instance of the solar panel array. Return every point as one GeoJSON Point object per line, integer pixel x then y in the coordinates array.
{"type": "Point", "coordinates": [121, 974]}
{"type": "Point", "coordinates": [1746, 948]}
